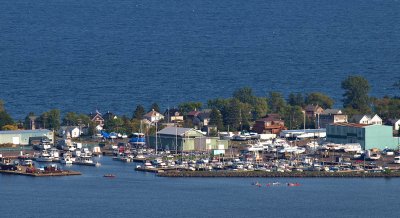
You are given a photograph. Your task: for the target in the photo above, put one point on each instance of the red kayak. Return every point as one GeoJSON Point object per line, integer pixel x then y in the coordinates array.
{"type": "Point", "coordinates": [293, 184]}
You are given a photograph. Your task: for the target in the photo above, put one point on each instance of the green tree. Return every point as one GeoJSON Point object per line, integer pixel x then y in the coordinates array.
{"type": "Point", "coordinates": [114, 125]}
{"type": "Point", "coordinates": [218, 103]}
{"type": "Point", "coordinates": [216, 119]}
{"type": "Point", "coordinates": [139, 112]}
{"type": "Point", "coordinates": [293, 117]}
{"type": "Point", "coordinates": [296, 99]}
{"type": "Point", "coordinates": [276, 103]}
{"type": "Point", "coordinates": [5, 119]}
{"type": "Point", "coordinates": [317, 98]}
{"type": "Point", "coordinates": [2, 106]}
{"type": "Point", "coordinates": [237, 115]}
{"type": "Point", "coordinates": [356, 94]}
{"type": "Point", "coordinates": [244, 95]}
{"type": "Point", "coordinates": [155, 107]}
{"type": "Point", "coordinates": [50, 119]}
{"type": "Point", "coordinates": [260, 108]}
{"type": "Point", "coordinates": [186, 107]}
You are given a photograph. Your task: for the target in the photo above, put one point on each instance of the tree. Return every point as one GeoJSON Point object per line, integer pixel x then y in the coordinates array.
{"type": "Point", "coordinates": [139, 112]}
{"type": "Point", "coordinates": [293, 116]}
{"type": "Point", "coordinates": [244, 95]}
{"type": "Point", "coordinates": [356, 94]}
{"type": "Point", "coordinates": [186, 107]}
{"type": "Point", "coordinates": [5, 118]}
{"type": "Point", "coordinates": [218, 103]}
{"type": "Point", "coordinates": [260, 108]}
{"type": "Point", "coordinates": [114, 125]}
{"type": "Point", "coordinates": [155, 107]}
{"type": "Point", "coordinates": [50, 119]}
{"type": "Point", "coordinates": [237, 115]}
{"type": "Point", "coordinates": [317, 98]}
{"type": "Point", "coordinates": [216, 119]}
{"type": "Point", "coordinates": [276, 102]}
{"type": "Point", "coordinates": [2, 106]}
{"type": "Point", "coordinates": [9, 127]}
{"type": "Point", "coordinates": [296, 99]}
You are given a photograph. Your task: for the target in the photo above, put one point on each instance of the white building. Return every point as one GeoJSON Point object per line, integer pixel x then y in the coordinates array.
{"type": "Point", "coordinates": [73, 131]}
{"type": "Point", "coordinates": [395, 123]}
{"type": "Point", "coordinates": [367, 119]}
{"type": "Point", "coordinates": [153, 116]}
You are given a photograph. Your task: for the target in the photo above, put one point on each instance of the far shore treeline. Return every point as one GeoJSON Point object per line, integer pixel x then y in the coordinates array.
{"type": "Point", "coordinates": [235, 113]}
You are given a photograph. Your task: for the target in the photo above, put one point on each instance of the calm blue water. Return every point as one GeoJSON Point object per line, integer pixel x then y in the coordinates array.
{"type": "Point", "coordinates": [79, 55]}
{"type": "Point", "coordinates": [137, 194]}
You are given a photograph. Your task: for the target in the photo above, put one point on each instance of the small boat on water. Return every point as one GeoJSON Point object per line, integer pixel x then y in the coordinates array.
{"type": "Point", "coordinates": [109, 175]}
{"type": "Point", "coordinates": [293, 184]}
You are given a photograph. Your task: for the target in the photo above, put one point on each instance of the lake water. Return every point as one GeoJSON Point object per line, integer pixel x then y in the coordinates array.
{"type": "Point", "coordinates": [138, 194]}
{"type": "Point", "coordinates": [82, 55]}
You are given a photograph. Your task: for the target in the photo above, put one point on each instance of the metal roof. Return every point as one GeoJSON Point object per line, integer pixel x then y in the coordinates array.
{"type": "Point", "coordinates": [36, 131]}
{"type": "Point", "coordinates": [175, 131]}
{"type": "Point", "coordinates": [357, 125]}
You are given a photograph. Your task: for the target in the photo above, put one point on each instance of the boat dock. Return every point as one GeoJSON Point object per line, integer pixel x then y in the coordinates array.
{"type": "Point", "coordinates": [42, 174]}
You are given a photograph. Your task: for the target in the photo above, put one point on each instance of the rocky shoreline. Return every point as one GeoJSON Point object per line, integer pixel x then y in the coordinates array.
{"type": "Point", "coordinates": [277, 174]}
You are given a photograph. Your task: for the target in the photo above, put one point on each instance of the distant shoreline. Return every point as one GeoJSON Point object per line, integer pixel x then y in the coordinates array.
{"type": "Point", "coordinates": [260, 174]}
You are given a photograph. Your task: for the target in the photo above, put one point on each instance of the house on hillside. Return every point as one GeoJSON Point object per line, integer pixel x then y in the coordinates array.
{"type": "Point", "coordinates": [331, 116]}
{"type": "Point", "coordinates": [201, 118]}
{"type": "Point", "coordinates": [313, 110]}
{"type": "Point", "coordinates": [395, 123]}
{"type": "Point", "coordinates": [367, 119]}
{"type": "Point", "coordinates": [271, 124]}
{"type": "Point", "coordinates": [153, 116]}
{"type": "Point", "coordinates": [72, 131]}
{"type": "Point", "coordinates": [98, 119]}
{"type": "Point", "coordinates": [173, 115]}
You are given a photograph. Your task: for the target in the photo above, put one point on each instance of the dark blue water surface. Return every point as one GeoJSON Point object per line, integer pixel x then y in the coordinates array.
{"type": "Point", "coordinates": [137, 194]}
{"type": "Point", "coordinates": [79, 55]}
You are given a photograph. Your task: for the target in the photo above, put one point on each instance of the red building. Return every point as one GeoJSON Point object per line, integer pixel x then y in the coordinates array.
{"type": "Point", "coordinates": [271, 124]}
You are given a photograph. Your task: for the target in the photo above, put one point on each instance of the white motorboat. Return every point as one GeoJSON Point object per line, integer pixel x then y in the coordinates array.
{"type": "Point", "coordinates": [396, 160]}
{"type": "Point", "coordinates": [44, 156]}
{"type": "Point", "coordinates": [84, 160]}
{"type": "Point", "coordinates": [352, 147]}
{"type": "Point", "coordinates": [255, 147]}
{"type": "Point", "coordinates": [66, 160]}
{"type": "Point", "coordinates": [372, 155]}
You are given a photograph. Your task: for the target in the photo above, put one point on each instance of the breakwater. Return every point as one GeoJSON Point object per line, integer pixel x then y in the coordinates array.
{"type": "Point", "coordinates": [315, 174]}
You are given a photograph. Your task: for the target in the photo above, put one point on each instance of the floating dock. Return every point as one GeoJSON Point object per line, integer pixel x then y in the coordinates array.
{"type": "Point", "coordinates": [42, 174]}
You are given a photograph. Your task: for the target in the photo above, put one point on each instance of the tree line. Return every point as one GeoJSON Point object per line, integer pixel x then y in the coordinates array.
{"type": "Point", "coordinates": [235, 113]}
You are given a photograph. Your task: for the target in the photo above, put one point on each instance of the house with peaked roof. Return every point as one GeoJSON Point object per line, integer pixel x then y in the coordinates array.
{"type": "Point", "coordinates": [330, 116]}
{"type": "Point", "coordinates": [313, 110]}
{"type": "Point", "coordinates": [185, 139]}
{"type": "Point", "coordinates": [153, 116]}
{"type": "Point", "coordinates": [97, 118]}
{"type": "Point", "coordinates": [173, 115]}
{"type": "Point", "coordinates": [366, 119]}
{"type": "Point", "coordinates": [271, 124]}
{"type": "Point", "coordinates": [395, 123]}
{"type": "Point", "coordinates": [72, 131]}
{"type": "Point", "coordinates": [200, 118]}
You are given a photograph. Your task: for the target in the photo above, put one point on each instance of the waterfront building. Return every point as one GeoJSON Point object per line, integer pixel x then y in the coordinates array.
{"type": "Point", "coordinates": [330, 116]}
{"type": "Point", "coordinates": [366, 119]}
{"type": "Point", "coordinates": [271, 124]}
{"type": "Point", "coordinates": [73, 131]}
{"type": "Point", "coordinates": [173, 115]}
{"type": "Point", "coordinates": [395, 123]}
{"type": "Point", "coordinates": [313, 110]}
{"type": "Point", "coordinates": [368, 135]}
{"type": "Point", "coordinates": [186, 139]}
{"type": "Point", "coordinates": [153, 116]}
{"type": "Point", "coordinates": [23, 137]}
{"type": "Point", "coordinates": [98, 119]}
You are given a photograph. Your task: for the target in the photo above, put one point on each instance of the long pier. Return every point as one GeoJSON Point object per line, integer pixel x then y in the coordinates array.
{"type": "Point", "coordinates": [42, 174]}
